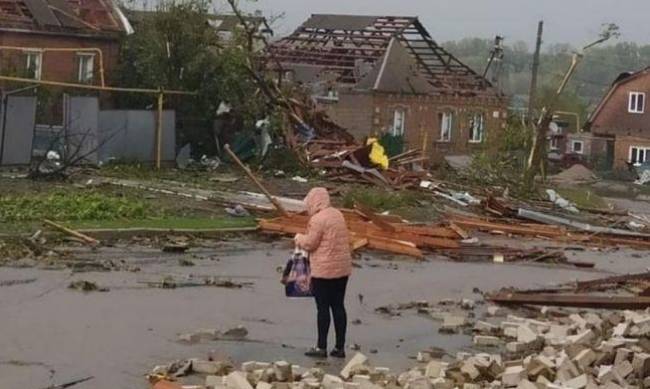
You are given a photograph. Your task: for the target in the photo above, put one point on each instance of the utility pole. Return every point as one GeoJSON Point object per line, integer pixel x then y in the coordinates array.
{"type": "Point", "coordinates": [533, 78]}
{"type": "Point", "coordinates": [495, 61]}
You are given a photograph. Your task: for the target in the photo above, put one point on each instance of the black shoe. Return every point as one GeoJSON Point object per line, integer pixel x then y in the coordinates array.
{"type": "Point", "coordinates": [337, 353]}
{"type": "Point", "coordinates": [316, 353]}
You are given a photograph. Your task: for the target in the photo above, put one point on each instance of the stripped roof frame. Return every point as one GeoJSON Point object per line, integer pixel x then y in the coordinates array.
{"type": "Point", "coordinates": [340, 42]}
{"type": "Point", "coordinates": [93, 17]}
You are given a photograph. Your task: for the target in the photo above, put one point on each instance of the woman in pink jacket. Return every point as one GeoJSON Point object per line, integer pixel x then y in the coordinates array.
{"type": "Point", "coordinates": [328, 242]}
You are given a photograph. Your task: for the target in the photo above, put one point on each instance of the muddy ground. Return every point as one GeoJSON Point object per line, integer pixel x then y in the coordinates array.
{"type": "Point", "coordinates": [52, 334]}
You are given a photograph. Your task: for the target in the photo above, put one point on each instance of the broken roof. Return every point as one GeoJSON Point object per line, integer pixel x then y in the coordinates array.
{"type": "Point", "coordinates": [97, 17]}
{"type": "Point", "coordinates": [220, 22]}
{"type": "Point", "coordinates": [356, 47]}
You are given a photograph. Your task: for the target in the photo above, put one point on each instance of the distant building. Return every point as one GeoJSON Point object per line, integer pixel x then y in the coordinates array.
{"type": "Point", "coordinates": [60, 40]}
{"type": "Point", "coordinates": [622, 119]}
{"type": "Point", "coordinates": [225, 25]}
{"type": "Point", "coordinates": [385, 74]}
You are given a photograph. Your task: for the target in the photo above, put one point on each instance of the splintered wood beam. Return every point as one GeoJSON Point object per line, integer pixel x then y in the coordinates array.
{"type": "Point", "coordinates": [572, 300]}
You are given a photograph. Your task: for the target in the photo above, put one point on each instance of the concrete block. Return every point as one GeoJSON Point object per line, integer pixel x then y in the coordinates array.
{"type": "Point", "coordinates": [441, 383]}
{"type": "Point", "coordinates": [623, 354]}
{"type": "Point", "coordinates": [453, 323]}
{"type": "Point", "coordinates": [484, 340]}
{"type": "Point", "coordinates": [525, 384]}
{"type": "Point", "coordinates": [214, 382]}
{"type": "Point", "coordinates": [485, 327]}
{"type": "Point", "coordinates": [585, 358]}
{"type": "Point", "coordinates": [525, 334]}
{"type": "Point", "coordinates": [641, 365]}
{"type": "Point", "coordinates": [423, 356]}
{"type": "Point", "coordinates": [469, 370]}
{"type": "Point", "coordinates": [493, 310]}
{"type": "Point", "coordinates": [512, 376]}
{"type": "Point", "coordinates": [471, 386]}
{"type": "Point", "coordinates": [351, 385]}
{"type": "Point", "coordinates": [578, 320]}
{"type": "Point", "coordinates": [263, 385]}
{"type": "Point", "coordinates": [585, 337]}
{"type": "Point", "coordinates": [467, 304]}
{"type": "Point", "coordinates": [237, 380]}
{"type": "Point", "coordinates": [593, 320]}
{"type": "Point", "coordinates": [419, 383]}
{"type": "Point", "coordinates": [249, 366]}
{"type": "Point", "coordinates": [282, 370]}
{"type": "Point", "coordinates": [435, 369]}
{"type": "Point", "coordinates": [611, 385]}
{"type": "Point", "coordinates": [208, 367]}
{"type": "Point", "coordinates": [516, 347]}
{"type": "Point", "coordinates": [578, 382]}
{"type": "Point", "coordinates": [332, 382]}
{"type": "Point", "coordinates": [510, 332]}
{"type": "Point", "coordinates": [621, 330]}
{"type": "Point", "coordinates": [356, 360]}
{"type": "Point", "coordinates": [623, 369]}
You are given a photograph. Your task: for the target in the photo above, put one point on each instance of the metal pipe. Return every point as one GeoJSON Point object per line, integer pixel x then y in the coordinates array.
{"type": "Point", "coordinates": [95, 87]}
{"type": "Point", "coordinates": [159, 130]}
{"type": "Point", "coordinates": [66, 49]}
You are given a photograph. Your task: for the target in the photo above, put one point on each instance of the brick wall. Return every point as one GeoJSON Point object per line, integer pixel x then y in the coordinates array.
{"type": "Point", "coordinates": [353, 112]}
{"type": "Point", "coordinates": [614, 118]}
{"type": "Point", "coordinates": [57, 66]}
{"type": "Point", "coordinates": [364, 114]}
{"type": "Point", "coordinates": [622, 148]}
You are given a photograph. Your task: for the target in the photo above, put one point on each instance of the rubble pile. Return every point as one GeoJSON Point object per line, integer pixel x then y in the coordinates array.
{"type": "Point", "coordinates": [351, 163]}
{"type": "Point", "coordinates": [578, 351]}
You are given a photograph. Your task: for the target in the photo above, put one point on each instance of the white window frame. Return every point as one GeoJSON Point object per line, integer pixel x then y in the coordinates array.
{"type": "Point", "coordinates": [446, 126]}
{"type": "Point", "coordinates": [573, 146]}
{"type": "Point", "coordinates": [399, 122]}
{"type": "Point", "coordinates": [475, 129]}
{"type": "Point", "coordinates": [646, 154]}
{"type": "Point", "coordinates": [34, 58]}
{"type": "Point", "coordinates": [633, 103]}
{"type": "Point", "coordinates": [82, 77]}
{"type": "Point", "coordinates": [553, 144]}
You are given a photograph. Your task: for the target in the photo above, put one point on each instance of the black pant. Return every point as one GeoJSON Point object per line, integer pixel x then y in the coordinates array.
{"type": "Point", "coordinates": [330, 294]}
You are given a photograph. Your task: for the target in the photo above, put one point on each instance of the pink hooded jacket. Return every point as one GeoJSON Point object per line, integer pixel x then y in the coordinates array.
{"type": "Point", "coordinates": [327, 238]}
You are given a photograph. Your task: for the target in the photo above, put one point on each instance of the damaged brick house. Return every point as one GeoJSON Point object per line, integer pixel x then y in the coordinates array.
{"type": "Point", "coordinates": [621, 121]}
{"type": "Point", "coordinates": [60, 40]}
{"type": "Point", "coordinates": [386, 74]}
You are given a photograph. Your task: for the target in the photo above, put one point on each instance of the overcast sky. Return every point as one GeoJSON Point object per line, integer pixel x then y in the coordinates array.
{"type": "Point", "coordinates": [566, 21]}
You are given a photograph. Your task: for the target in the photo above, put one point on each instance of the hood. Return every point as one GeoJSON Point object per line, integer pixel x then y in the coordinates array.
{"type": "Point", "coordinates": [317, 199]}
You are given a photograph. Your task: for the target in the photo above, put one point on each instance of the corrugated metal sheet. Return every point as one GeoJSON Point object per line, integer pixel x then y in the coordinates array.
{"type": "Point", "coordinates": [42, 13]}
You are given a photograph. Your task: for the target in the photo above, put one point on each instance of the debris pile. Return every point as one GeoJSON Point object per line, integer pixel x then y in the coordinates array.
{"type": "Point", "coordinates": [577, 350]}
{"type": "Point", "coordinates": [625, 292]}
{"type": "Point", "coordinates": [381, 232]}
{"type": "Point", "coordinates": [352, 163]}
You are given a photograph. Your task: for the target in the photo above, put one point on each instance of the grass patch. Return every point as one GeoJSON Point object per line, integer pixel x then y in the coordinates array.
{"type": "Point", "coordinates": [72, 205]}
{"type": "Point", "coordinates": [583, 197]}
{"type": "Point", "coordinates": [379, 200]}
{"type": "Point", "coordinates": [169, 223]}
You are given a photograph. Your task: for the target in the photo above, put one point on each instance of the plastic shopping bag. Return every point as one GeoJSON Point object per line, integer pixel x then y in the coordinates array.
{"type": "Point", "coordinates": [297, 275]}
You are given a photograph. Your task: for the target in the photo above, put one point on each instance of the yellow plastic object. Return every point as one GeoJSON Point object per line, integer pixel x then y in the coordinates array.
{"type": "Point", "coordinates": [378, 154]}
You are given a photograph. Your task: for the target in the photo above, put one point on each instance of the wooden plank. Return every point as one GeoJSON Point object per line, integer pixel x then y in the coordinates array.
{"type": "Point", "coordinates": [572, 300]}
{"type": "Point", "coordinates": [440, 232]}
{"type": "Point", "coordinates": [370, 215]}
{"type": "Point", "coordinates": [71, 232]}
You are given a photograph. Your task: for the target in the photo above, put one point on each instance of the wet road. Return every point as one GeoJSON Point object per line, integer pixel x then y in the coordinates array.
{"type": "Point", "coordinates": [51, 334]}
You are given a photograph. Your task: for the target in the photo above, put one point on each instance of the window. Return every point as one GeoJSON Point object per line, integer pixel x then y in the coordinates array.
{"type": "Point", "coordinates": [554, 145]}
{"type": "Point", "coordinates": [86, 69]}
{"type": "Point", "coordinates": [577, 146]}
{"type": "Point", "coordinates": [399, 117]}
{"type": "Point", "coordinates": [34, 64]}
{"type": "Point", "coordinates": [446, 122]}
{"type": "Point", "coordinates": [636, 103]}
{"type": "Point", "coordinates": [639, 155]}
{"type": "Point", "coordinates": [476, 128]}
